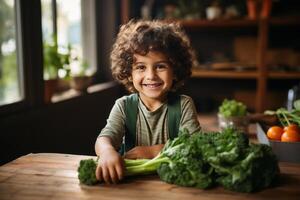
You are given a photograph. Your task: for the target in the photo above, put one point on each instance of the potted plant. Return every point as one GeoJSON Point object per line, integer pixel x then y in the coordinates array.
{"type": "Point", "coordinates": [214, 11]}
{"type": "Point", "coordinates": [190, 9]}
{"type": "Point", "coordinates": [81, 77]}
{"type": "Point", "coordinates": [54, 61]}
{"type": "Point", "coordinates": [233, 113]}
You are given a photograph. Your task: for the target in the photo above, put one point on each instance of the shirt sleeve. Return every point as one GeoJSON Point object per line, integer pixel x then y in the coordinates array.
{"type": "Point", "coordinates": [115, 126]}
{"type": "Point", "coordinates": [189, 119]}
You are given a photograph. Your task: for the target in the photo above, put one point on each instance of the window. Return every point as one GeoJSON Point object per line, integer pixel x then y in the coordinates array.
{"type": "Point", "coordinates": [11, 89]}
{"type": "Point", "coordinates": [65, 24]}
{"type": "Point", "coordinates": [22, 38]}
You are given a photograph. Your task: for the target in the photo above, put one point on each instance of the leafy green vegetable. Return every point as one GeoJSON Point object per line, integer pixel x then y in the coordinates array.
{"type": "Point", "coordinates": [232, 108]}
{"type": "Point", "coordinates": [297, 104]}
{"type": "Point", "coordinates": [184, 165]}
{"type": "Point", "coordinates": [204, 159]}
{"type": "Point", "coordinates": [286, 117]}
{"type": "Point", "coordinates": [86, 171]}
{"type": "Point", "coordinates": [255, 169]}
{"type": "Point", "coordinates": [224, 158]}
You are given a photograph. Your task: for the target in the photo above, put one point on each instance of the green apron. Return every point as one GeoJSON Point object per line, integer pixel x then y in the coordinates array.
{"type": "Point", "coordinates": [131, 110]}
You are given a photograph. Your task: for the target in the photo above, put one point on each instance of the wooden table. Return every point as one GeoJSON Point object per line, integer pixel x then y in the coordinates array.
{"type": "Point", "coordinates": [54, 176]}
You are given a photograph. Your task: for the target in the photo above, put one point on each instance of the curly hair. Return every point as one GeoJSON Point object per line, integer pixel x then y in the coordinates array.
{"type": "Point", "coordinates": [140, 37]}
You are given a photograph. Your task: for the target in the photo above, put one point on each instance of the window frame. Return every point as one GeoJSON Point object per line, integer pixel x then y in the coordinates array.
{"type": "Point", "coordinates": [30, 50]}
{"type": "Point", "coordinates": [29, 56]}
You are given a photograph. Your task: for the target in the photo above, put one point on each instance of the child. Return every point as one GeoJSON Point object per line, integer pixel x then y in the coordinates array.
{"type": "Point", "coordinates": [152, 59]}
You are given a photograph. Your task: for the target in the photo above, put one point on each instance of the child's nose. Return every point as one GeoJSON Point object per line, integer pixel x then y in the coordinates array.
{"type": "Point", "coordinates": [150, 73]}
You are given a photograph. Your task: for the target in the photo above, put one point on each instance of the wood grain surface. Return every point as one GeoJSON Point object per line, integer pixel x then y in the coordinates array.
{"type": "Point", "coordinates": [54, 176]}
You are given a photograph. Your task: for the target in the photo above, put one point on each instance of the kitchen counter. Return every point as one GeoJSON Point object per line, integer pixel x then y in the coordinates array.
{"type": "Point", "coordinates": [54, 176]}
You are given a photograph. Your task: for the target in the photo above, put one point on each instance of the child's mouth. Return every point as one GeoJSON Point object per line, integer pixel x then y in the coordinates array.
{"type": "Point", "coordinates": [153, 85]}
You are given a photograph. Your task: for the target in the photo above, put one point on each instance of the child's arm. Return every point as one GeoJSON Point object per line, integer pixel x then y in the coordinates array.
{"type": "Point", "coordinates": [111, 165]}
{"type": "Point", "coordinates": [147, 152]}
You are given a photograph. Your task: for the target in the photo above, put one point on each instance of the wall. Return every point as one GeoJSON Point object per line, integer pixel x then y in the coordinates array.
{"type": "Point", "coordinates": [69, 126]}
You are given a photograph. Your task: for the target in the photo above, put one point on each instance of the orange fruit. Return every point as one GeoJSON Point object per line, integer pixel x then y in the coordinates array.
{"type": "Point", "coordinates": [275, 132]}
{"type": "Point", "coordinates": [290, 136]}
{"type": "Point", "coordinates": [292, 127]}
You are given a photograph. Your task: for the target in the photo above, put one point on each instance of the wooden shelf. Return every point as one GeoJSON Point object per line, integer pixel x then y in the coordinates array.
{"type": "Point", "coordinates": [201, 73]}
{"type": "Point", "coordinates": [232, 23]}
{"type": "Point", "coordinates": [285, 21]}
{"type": "Point", "coordinates": [284, 75]}
{"type": "Point", "coordinates": [228, 74]}
{"type": "Point", "coordinates": [237, 23]}
{"type": "Point", "coordinates": [261, 28]}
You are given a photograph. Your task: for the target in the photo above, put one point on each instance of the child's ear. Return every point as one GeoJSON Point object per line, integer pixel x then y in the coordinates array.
{"type": "Point", "coordinates": [130, 78]}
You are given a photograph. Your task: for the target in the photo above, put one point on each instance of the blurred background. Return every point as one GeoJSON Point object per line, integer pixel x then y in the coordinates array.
{"type": "Point", "coordinates": [56, 90]}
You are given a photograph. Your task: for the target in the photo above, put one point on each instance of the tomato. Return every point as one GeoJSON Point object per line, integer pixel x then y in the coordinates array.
{"type": "Point", "coordinates": [290, 136]}
{"type": "Point", "coordinates": [292, 127]}
{"type": "Point", "coordinates": [275, 132]}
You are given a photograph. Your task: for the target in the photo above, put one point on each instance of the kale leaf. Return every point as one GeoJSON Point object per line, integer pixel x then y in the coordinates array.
{"type": "Point", "coordinates": [184, 167]}
{"type": "Point", "coordinates": [225, 158]}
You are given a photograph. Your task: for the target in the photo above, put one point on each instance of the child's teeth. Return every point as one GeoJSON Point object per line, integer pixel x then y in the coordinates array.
{"type": "Point", "coordinates": [152, 85]}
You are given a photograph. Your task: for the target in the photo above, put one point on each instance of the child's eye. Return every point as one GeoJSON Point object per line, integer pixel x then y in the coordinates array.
{"type": "Point", "coordinates": [139, 67]}
{"type": "Point", "coordinates": [162, 66]}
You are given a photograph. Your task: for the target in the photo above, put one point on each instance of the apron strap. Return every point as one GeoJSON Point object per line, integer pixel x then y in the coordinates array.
{"type": "Point", "coordinates": [131, 110]}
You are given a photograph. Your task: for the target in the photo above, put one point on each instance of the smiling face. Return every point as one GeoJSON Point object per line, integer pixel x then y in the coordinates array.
{"type": "Point", "coordinates": [152, 76]}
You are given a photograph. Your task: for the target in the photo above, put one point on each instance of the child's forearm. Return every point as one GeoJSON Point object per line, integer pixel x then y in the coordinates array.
{"type": "Point", "coordinates": [155, 149]}
{"type": "Point", "coordinates": [103, 144]}
{"type": "Point", "coordinates": [144, 152]}
{"type": "Point", "coordinates": [110, 166]}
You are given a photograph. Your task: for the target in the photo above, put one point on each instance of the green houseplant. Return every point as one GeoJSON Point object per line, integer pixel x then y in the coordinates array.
{"type": "Point", "coordinates": [81, 80]}
{"type": "Point", "coordinates": [54, 61]}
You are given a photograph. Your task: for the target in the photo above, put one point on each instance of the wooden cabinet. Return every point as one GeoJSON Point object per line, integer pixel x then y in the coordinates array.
{"type": "Point", "coordinates": [262, 74]}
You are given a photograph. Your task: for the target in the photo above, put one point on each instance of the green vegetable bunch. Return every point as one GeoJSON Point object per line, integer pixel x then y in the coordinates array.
{"type": "Point", "coordinates": [232, 108]}
{"type": "Point", "coordinates": [225, 158]}
{"type": "Point", "coordinates": [297, 104]}
{"type": "Point", "coordinates": [202, 160]}
{"type": "Point", "coordinates": [185, 165]}
{"type": "Point", "coordinates": [238, 165]}
{"type": "Point", "coordinates": [87, 169]}
{"type": "Point", "coordinates": [287, 117]}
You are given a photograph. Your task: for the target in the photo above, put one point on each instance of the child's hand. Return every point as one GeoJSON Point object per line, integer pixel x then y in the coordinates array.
{"type": "Point", "coordinates": [110, 167]}
{"type": "Point", "coordinates": [146, 152]}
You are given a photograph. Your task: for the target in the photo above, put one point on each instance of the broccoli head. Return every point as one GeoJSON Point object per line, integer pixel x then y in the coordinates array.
{"type": "Point", "coordinates": [86, 172]}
